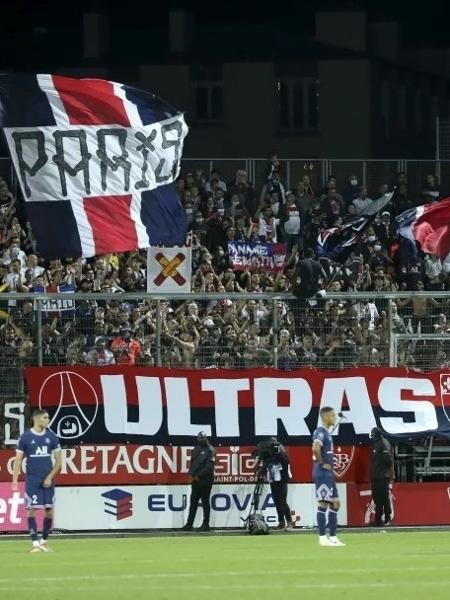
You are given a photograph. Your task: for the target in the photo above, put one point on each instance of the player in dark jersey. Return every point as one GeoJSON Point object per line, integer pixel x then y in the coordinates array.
{"type": "Point", "coordinates": [38, 445]}
{"type": "Point", "coordinates": [323, 476]}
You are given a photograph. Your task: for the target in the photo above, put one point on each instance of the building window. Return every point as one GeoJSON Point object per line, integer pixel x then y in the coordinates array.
{"type": "Point", "coordinates": [298, 103]}
{"type": "Point", "coordinates": [208, 102]}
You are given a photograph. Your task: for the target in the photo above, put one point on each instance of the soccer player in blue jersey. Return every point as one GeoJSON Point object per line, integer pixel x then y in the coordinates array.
{"type": "Point", "coordinates": [39, 445]}
{"type": "Point", "coordinates": [323, 476]}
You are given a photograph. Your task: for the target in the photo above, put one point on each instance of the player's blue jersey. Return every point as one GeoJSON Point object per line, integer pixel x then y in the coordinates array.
{"type": "Point", "coordinates": [324, 438]}
{"type": "Point", "coordinates": [38, 449]}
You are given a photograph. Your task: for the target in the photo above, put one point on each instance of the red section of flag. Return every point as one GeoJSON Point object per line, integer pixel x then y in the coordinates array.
{"type": "Point", "coordinates": [111, 222]}
{"type": "Point", "coordinates": [90, 101]}
{"type": "Point", "coordinates": [432, 228]}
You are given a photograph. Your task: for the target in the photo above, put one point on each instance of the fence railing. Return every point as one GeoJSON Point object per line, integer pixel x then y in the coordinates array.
{"type": "Point", "coordinates": [370, 172]}
{"type": "Point", "coordinates": [238, 330]}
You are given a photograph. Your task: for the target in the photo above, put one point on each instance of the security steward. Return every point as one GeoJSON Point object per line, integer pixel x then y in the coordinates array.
{"type": "Point", "coordinates": [381, 474]}
{"type": "Point", "coordinates": [202, 477]}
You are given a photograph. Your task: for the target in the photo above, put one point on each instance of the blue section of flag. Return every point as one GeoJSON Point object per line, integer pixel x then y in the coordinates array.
{"type": "Point", "coordinates": [151, 108]}
{"type": "Point", "coordinates": [337, 243]}
{"type": "Point", "coordinates": [23, 103]}
{"type": "Point", "coordinates": [55, 228]}
{"type": "Point", "coordinates": [163, 216]}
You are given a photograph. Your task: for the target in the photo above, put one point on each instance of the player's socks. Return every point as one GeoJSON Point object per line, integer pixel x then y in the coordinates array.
{"type": "Point", "coordinates": [332, 521]}
{"type": "Point", "coordinates": [32, 528]}
{"type": "Point", "coordinates": [322, 520]}
{"type": "Point", "coordinates": [47, 527]}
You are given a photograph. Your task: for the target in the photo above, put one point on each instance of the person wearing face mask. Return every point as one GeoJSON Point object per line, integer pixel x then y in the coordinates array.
{"type": "Point", "coordinates": [202, 474]}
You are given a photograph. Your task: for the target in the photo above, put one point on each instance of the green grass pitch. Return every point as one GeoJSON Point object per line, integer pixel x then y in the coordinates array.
{"type": "Point", "coordinates": [372, 565]}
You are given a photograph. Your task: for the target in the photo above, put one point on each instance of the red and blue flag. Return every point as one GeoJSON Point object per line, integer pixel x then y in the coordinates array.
{"type": "Point", "coordinates": [96, 161]}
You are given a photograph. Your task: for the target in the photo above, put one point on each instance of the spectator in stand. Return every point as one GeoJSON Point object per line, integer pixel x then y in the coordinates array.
{"type": "Point", "coordinates": [331, 184]}
{"type": "Point", "coordinates": [383, 229]}
{"type": "Point", "coordinates": [291, 221]}
{"type": "Point", "coordinates": [244, 189]}
{"type": "Point", "coordinates": [268, 225]}
{"type": "Point", "coordinates": [215, 182]}
{"type": "Point", "coordinates": [273, 166]}
{"type": "Point", "coordinates": [362, 202]}
{"type": "Point", "coordinates": [304, 198]}
{"type": "Point", "coordinates": [100, 355]}
{"type": "Point", "coordinates": [351, 190]}
{"type": "Point", "coordinates": [125, 348]}
{"type": "Point", "coordinates": [332, 206]}
{"type": "Point", "coordinates": [431, 190]}
{"type": "Point", "coordinates": [274, 187]}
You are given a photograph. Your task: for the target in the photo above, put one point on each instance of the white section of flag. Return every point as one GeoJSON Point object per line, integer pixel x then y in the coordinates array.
{"type": "Point", "coordinates": [169, 270]}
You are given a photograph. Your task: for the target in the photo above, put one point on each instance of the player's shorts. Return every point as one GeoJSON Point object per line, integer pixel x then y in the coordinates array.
{"type": "Point", "coordinates": [37, 496]}
{"type": "Point", "coordinates": [326, 488]}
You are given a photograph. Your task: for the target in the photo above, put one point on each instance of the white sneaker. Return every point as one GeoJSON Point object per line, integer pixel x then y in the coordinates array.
{"type": "Point", "coordinates": [336, 541]}
{"type": "Point", "coordinates": [36, 547]}
{"type": "Point", "coordinates": [43, 546]}
{"type": "Point", "coordinates": [324, 541]}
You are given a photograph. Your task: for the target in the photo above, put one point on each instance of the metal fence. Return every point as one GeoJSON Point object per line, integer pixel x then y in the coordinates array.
{"type": "Point", "coordinates": [370, 172]}
{"type": "Point", "coordinates": [233, 331]}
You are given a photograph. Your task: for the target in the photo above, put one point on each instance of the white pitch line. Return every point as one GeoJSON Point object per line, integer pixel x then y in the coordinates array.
{"type": "Point", "coordinates": [270, 586]}
{"type": "Point", "coordinates": [299, 572]}
{"type": "Point", "coordinates": [189, 560]}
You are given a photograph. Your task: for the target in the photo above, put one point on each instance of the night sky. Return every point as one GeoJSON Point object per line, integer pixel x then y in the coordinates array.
{"type": "Point", "coordinates": [422, 23]}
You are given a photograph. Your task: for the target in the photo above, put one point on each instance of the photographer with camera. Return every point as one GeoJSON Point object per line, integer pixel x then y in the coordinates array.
{"type": "Point", "coordinates": [274, 466]}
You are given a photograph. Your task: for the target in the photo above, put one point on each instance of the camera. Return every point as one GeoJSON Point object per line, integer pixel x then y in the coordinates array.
{"type": "Point", "coordinates": [266, 451]}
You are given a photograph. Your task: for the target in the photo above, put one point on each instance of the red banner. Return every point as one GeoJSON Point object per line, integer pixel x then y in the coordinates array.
{"type": "Point", "coordinates": [412, 504]}
{"type": "Point", "coordinates": [132, 464]}
{"type": "Point", "coordinates": [125, 404]}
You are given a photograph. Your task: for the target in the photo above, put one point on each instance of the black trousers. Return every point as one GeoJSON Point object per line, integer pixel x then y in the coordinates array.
{"type": "Point", "coordinates": [279, 491]}
{"type": "Point", "coordinates": [380, 495]}
{"type": "Point", "coordinates": [200, 491]}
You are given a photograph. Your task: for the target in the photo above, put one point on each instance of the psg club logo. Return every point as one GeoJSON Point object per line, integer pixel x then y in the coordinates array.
{"type": "Point", "coordinates": [59, 395]}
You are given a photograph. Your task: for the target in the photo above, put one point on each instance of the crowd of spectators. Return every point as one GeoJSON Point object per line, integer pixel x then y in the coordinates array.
{"type": "Point", "coordinates": [319, 332]}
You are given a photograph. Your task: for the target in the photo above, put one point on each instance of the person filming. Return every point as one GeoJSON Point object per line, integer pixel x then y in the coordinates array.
{"type": "Point", "coordinates": [275, 461]}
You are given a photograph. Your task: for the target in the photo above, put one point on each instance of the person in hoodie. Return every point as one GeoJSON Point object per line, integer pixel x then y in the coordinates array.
{"type": "Point", "coordinates": [202, 473]}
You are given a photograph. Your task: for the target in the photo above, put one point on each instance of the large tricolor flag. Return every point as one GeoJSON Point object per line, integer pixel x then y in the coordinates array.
{"type": "Point", "coordinates": [96, 161]}
{"type": "Point", "coordinates": [429, 225]}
